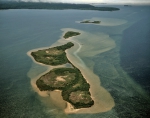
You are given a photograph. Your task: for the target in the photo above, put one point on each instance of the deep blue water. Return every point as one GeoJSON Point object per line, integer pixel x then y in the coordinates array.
{"type": "Point", "coordinates": [23, 30]}
{"type": "Point", "coordinates": [135, 52]}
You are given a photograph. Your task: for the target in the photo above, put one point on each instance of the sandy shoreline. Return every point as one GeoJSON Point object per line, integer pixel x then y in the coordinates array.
{"type": "Point", "coordinates": [102, 99]}
{"type": "Point", "coordinates": [102, 102]}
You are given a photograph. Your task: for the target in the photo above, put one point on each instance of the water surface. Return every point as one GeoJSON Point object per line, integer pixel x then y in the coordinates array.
{"type": "Point", "coordinates": [23, 30]}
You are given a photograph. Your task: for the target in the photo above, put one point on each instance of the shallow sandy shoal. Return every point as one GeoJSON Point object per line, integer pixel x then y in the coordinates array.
{"type": "Point", "coordinates": [103, 101]}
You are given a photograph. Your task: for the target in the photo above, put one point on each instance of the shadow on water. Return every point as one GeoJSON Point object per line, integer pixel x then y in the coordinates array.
{"type": "Point", "coordinates": [135, 52]}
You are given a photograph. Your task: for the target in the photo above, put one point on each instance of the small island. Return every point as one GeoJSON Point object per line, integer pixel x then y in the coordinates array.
{"type": "Point", "coordinates": [88, 21]}
{"type": "Point", "coordinates": [70, 34]}
{"type": "Point", "coordinates": [52, 56]}
{"type": "Point", "coordinates": [70, 81]}
{"type": "Point", "coordinates": [127, 5]}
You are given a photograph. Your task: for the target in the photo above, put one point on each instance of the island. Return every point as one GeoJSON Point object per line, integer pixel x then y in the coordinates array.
{"type": "Point", "coordinates": [70, 34]}
{"type": "Point", "coordinates": [52, 56]}
{"type": "Point", "coordinates": [70, 81]}
{"type": "Point", "coordinates": [127, 5]}
{"type": "Point", "coordinates": [88, 21]}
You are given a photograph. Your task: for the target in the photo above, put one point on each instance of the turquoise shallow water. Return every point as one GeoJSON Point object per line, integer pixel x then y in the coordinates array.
{"type": "Point", "coordinates": [23, 30]}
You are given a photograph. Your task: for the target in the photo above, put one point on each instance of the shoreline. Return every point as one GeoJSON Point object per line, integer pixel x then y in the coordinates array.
{"type": "Point", "coordinates": [106, 103]}
{"type": "Point", "coordinates": [102, 103]}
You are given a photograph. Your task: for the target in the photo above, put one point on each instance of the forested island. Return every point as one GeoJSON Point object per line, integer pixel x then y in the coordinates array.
{"type": "Point", "coordinates": [88, 21]}
{"type": "Point", "coordinates": [52, 56]}
{"type": "Point", "coordinates": [55, 6]}
{"type": "Point", "coordinates": [70, 34]}
{"type": "Point", "coordinates": [70, 81]}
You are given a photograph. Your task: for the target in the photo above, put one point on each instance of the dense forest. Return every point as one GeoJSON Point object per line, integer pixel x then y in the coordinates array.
{"type": "Point", "coordinates": [53, 56]}
{"type": "Point", "coordinates": [75, 88]}
{"type": "Point", "coordinates": [59, 6]}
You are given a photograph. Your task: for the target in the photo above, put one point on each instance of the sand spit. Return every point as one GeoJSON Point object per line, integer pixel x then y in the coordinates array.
{"type": "Point", "coordinates": [102, 99]}
{"type": "Point", "coordinates": [57, 99]}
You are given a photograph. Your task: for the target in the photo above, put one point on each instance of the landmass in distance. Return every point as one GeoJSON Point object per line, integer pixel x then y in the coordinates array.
{"type": "Point", "coordinates": [55, 6]}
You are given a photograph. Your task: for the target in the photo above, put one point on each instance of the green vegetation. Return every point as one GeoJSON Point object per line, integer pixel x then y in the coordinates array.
{"type": "Point", "coordinates": [58, 78]}
{"type": "Point", "coordinates": [127, 5]}
{"type": "Point", "coordinates": [71, 82]}
{"type": "Point", "coordinates": [81, 99]}
{"type": "Point", "coordinates": [75, 89]}
{"type": "Point", "coordinates": [87, 21]}
{"type": "Point", "coordinates": [53, 56]}
{"type": "Point", "coordinates": [70, 34]}
{"type": "Point", "coordinates": [57, 6]}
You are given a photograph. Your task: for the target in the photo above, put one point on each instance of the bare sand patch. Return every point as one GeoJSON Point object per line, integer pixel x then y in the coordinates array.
{"type": "Point", "coordinates": [47, 51]}
{"type": "Point", "coordinates": [60, 78]}
{"type": "Point", "coordinates": [57, 99]}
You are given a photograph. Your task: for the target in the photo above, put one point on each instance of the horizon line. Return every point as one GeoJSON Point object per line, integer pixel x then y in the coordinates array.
{"type": "Point", "coordinates": [94, 3]}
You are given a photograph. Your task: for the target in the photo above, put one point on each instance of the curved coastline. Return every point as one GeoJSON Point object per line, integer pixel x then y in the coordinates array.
{"type": "Point", "coordinates": [102, 99]}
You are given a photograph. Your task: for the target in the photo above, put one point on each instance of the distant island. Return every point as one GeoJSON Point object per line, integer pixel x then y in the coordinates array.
{"type": "Point", "coordinates": [88, 21]}
{"type": "Point", "coordinates": [70, 81]}
{"type": "Point", "coordinates": [127, 5]}
{"type": "Point", "coordinates": [55, 6]}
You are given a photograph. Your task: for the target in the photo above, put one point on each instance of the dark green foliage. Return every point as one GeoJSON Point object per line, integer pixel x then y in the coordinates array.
{"type": "Point", "coordinates": [69, 85]}
{"type": "Point", "coordinates": [43, 87]}
{"type": "Point", "coordinates": [82, 105]}
{"type": "Point", "coordinates": [41, 5]}
{"type": "Point", "coordinates": [73, 79]}
{"type": "Point", "coordinates": [96, 22]}
{"type": "Point", "coordinates": [65, 46]}
{"type": "Point", "coordinates": [70, 34]}
{"type": "Point", "coordinates": [87, 21]}
{"type": "Point", "coordinates": [58, 59]}
{"type": "Point", "coordinates": [62, 71]}
{"type": "Point", "coordinates": [55, 59]}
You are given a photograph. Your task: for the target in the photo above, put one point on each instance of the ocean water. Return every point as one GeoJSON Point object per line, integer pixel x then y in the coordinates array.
{"type": "Point", "coordinates": [107, 47]}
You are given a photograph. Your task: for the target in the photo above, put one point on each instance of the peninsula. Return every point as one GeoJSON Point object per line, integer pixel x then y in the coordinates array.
{"type": "Point", "coordinates": [70, 81]}
{"type": "Point", "coordinates": [88, 21]}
